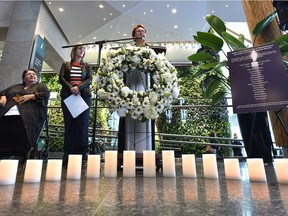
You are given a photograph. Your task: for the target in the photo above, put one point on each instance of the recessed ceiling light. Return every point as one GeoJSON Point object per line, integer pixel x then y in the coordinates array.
{"type": "Point", "coordinates": [144, 13]}
{"type": "Point", "coordinates": [175, 26]}
{"type": "Point", "coordinates": [101, 6]}
{"type": "Point", "coordinates": [174, 11]}
{"type": "Point", "coordinates": [80, 36]}
{"type": "Point", "coordinates": [167, 5]}
{"type": "Point", "coordinates": [50, 3]}
{"type": "Point", "coordinates": [94, 38]}
{"type": "Point", "coordinates": [212, 11]}
{"type": "Point", "coordinates": [151, 10]}
{"type": "Point", "coordinates": [226, 5]}
{"type": "Point", "coordinates": [123, 5]}
{"type": "Point", "coordinates": [124, 34]}
{"type": "Point", "coordinates": [104, 18]}
{"type": "Point", "coordinates": [61, 9]}
{"type": "Point", "coordinates": [111, 26]}
{"type": "Point", "coordinates": [111, 14]}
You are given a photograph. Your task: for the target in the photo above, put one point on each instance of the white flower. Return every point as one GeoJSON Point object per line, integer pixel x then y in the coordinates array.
{"type": "Point", "coordinates": [102, 93]}
{"type": "Point", "coordinates": [143, 104]}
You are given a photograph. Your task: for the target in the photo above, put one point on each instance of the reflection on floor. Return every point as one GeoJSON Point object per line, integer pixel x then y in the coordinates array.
{"type": "Point", "coordinates": [147, 196]}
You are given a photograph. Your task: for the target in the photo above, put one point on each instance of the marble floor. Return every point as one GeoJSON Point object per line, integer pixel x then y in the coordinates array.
{"type": "Point", "coordinates": [147, 196]}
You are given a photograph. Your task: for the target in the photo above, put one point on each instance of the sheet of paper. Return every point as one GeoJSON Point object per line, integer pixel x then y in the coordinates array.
{"type": "Point", "coordinates": [76, 105]}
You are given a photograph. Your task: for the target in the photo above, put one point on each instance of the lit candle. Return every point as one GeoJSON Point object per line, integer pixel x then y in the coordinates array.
{"type": "Point", "coordinates": [129, 164]}
{"type": "Point", "coordinates": [8, 171]}
{"type": "Point", "coordinates": [210, 166]}
{"type": "Point", "coordinates": [280, 165]}
{"type": "Point", "coordinates": [256, 169]}
{"type": "Point", "coordinates": [149, 165]}
{"type": "Point", "coordinates": [110, 166]}
{"type": "Point", "coordinates": [54, 170]}
{"type": "Point", "coordinates": [33, 170]}
{"type": "Point", "coordinates": [93, 166]}
{"type": "Point", "coordinates": [189, 166]}
{"type": "Point", "coordinates": [168, 160]}
{"type": "Point", "coordinates": [74, 167]}
{"type": "Point", "coordinates": [232, 168]}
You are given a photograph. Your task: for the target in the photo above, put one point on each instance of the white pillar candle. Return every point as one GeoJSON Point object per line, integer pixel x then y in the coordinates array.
{"type": "Point", "coordinates": [280, 165]}
{"type": "Point", "coordinates": [210, 166]}
{"type": "Point", "coordinates": [74, 167]}
{"type": "Point", "coordinates": [54, 170]}
{"type": "Point", "coordinates": [93, 166]}
{"type": "Point", "coordinates": [129, 163]}
{"type": "Point", "coordinates": [256, 169]}
{"type": "Point", "coordinates": [8, 171]}
{"type": "Point", "coordinates": [189, 166]}
{"type": "Point", "coordinates": [110, 166]}
{"type": "Point", "coordinates": [232, 168]}
{"type": "Point", "coordinates": [149, 164]}
{"type": "Point", "coordinates": [33, 170]}
{"type": "Point", "coordinates": [168, 161]}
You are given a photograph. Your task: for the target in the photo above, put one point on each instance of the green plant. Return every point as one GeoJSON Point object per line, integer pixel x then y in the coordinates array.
{"type": "Point", "coordinates": [214, 83]}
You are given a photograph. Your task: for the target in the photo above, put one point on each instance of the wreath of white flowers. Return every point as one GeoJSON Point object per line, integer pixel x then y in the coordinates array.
{"type": "Point", "coordinates": [139, 105]}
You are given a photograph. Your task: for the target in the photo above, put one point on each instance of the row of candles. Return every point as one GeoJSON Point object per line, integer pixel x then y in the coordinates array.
{"type": "Point", "coordinates": [33, 167]}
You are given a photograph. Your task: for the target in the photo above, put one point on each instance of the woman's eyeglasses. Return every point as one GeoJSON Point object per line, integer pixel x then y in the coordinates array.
{"type": "Point", "coordinates": [140, 31]}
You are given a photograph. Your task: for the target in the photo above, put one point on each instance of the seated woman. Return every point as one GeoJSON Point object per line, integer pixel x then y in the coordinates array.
{"type": "Point", "coordinates": [23, 111]}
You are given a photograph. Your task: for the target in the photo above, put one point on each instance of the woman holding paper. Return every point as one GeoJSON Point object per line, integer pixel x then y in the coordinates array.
{"type": "Point", "coordinates": [75, 77]}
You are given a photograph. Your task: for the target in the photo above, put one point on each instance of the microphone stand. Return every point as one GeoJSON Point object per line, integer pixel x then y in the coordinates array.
{"type": "Point", "coordinates": [100, 46]}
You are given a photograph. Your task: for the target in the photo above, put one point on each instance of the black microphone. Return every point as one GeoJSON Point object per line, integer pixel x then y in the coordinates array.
{"type": "Point", "coordinates": [138, 38]}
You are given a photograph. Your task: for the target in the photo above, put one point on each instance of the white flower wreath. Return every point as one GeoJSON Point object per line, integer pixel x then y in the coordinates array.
{"type": "Point", "coordinates": [139, 105]}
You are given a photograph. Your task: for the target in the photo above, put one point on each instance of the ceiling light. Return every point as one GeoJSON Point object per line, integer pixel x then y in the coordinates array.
{"type": "Point", "coordinates": [111, 14]}
{"type": "Point", "coordinates": [80, 36]}
{"type": "Point", "coordinates": [94, 38]}
{"type": "Point", "coordinates": [104, 18]}
{"type": "Point", "coordinates": [144, 13]}
{"type": "Point", "coordinates": [49, 3]}
{"type": "Point", "coordinates": [151, 10]}
{"type": "Point", "coordinates": [175, 26]}
{"type": "Point", "coordinates": [123, 5]}
{"type": "Point", "coordinates": [61, 9]}
{"type": "Point", "coordinates": [101, 6]}
{"type": "Point", "coordinates": [167, 5]}
{"type": "Point", "coordinates": [226, 5]}
{"type": "Point", "coordinates": [174, 11]}
{"type": "Point", "coordinates": [124, 34]}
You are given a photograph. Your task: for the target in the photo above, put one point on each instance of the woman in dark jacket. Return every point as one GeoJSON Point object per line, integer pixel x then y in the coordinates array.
{"type": "Point", "coordinates": [23, 111]}
{"type": "Point", "coordinates": [76, 77]}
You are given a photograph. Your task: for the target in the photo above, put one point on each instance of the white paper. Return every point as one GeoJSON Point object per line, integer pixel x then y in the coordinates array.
{"type": "Point", "coordinates": [76, 105]}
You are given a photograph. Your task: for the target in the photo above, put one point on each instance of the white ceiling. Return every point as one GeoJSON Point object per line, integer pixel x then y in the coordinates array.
{"type": "Point", "coordinates": [86, 22]}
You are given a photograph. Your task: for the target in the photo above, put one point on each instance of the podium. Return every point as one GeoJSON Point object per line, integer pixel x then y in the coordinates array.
{"type": "Point", "coordinates": [133, 134]}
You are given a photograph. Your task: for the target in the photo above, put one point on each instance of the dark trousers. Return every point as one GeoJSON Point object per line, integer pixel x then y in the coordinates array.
{"type": "Point", "coordinates": [76, 131]}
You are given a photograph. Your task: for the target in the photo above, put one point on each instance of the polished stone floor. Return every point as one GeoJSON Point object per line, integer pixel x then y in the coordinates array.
{"type": "Point", "coordinates": [147, 196]}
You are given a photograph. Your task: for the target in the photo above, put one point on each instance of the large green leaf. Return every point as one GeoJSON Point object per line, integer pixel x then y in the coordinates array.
{"type": "Point", "coordinates": [200, 73]}
{"type": "Point", "coordinates": [216, 23]}
{"type": "Point", "coordinates": [218, 96]}
{"type": "Point", "coordinates": [209, 40]}
{"type": "Point", "coordinates": [263, 24]}
{"type": "Point", "coordinates": [282, 39]}
{"type": "Point", "coordinates": [209, 65]}
{"type": "Point", "coordinates": [210, 84]}
{"type": "Point", "coordinates": [284, 49]}
{"type": "Point", "coordinates": [201, 56]}
{"type": "Point", "coordinates": [232, 41]}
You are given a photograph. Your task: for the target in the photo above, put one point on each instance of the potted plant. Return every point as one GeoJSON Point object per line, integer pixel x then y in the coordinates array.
{"type": "Point", "coordinates": [215, 85]}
